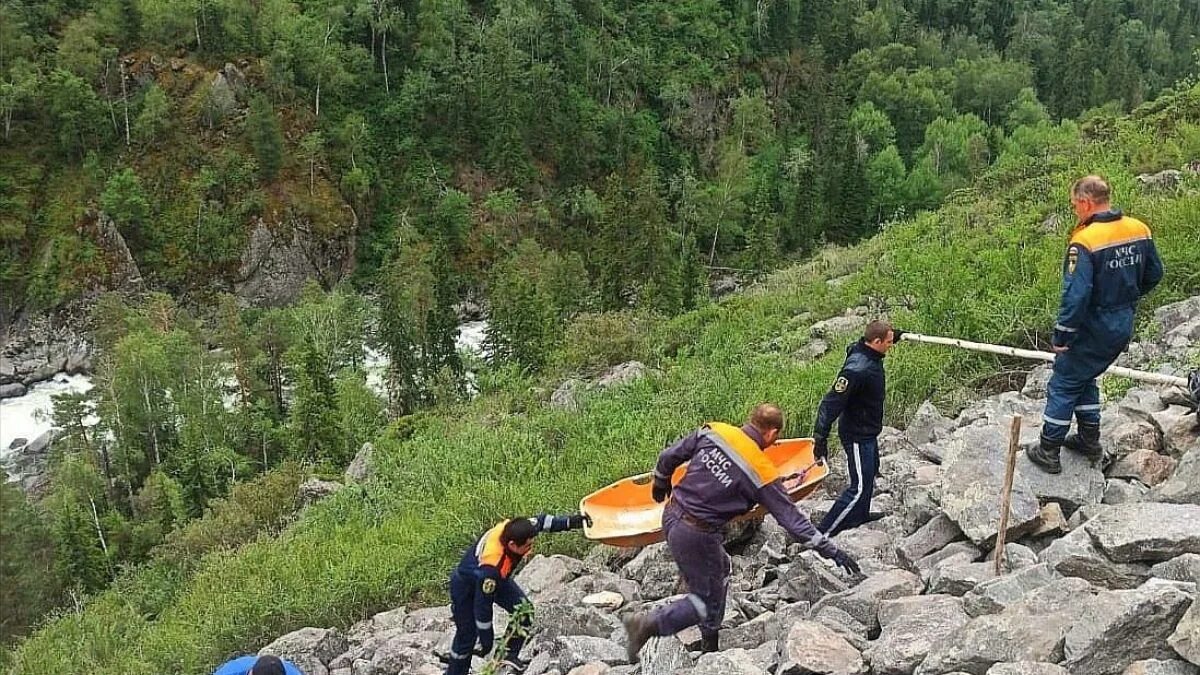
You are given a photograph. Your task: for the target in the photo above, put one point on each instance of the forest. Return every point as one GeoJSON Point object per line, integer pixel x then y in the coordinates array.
{"type": "Point", "coordinates": [583, 169]}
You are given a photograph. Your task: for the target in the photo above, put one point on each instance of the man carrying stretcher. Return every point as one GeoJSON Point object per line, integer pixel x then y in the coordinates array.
{"type": "Point", "coordinates": [727, 476]}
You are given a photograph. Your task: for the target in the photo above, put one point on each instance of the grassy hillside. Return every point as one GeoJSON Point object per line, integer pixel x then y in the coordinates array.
{"type": "Point", "coordinates": [984, 266]}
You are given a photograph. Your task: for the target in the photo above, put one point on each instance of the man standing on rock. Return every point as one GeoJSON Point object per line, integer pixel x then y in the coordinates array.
{"type": "Point", "coordinates": [483, 578]}
{"type": "Point", "coordinates": [857, 398]}
{"type": "Point", "coordinates": [728, 475]}
{"type": "Point", "coordinates": [1111, 262]}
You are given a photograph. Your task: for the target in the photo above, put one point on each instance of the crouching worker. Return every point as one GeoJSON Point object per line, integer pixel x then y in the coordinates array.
{"type": "Point", "coordinates": [728, 475]}
{"type": "Point", "coordinates": [484, 578]}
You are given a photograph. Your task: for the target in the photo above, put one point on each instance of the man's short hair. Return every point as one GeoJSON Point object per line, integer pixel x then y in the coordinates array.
{"type": "Point", "coordinates": [518, 531]}
{"type": "Point", "coordinates": [268, 665]}
{"type": "Point", "coordinates": [766, 416]}
{"type": "Point", "coordinates": [877, 330]}
{"type": "Point", "coordinates": [1092, 188]}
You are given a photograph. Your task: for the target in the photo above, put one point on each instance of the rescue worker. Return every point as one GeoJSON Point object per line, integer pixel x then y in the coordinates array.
{"type": "Point", "coordinates": [258, 665]}
{"type": "Point", "coordinates": [728, 475]}
{"type": "Point", "coordinates": [1111, 262]}
{"type": "Point", "coordinates": [857, 398]}
{"type": "Point", "coordinates": [483, 578]}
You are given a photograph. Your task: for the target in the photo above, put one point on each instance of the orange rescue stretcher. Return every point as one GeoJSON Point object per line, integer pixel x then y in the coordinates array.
{"type": "Point", "coordinates": [625, 514]}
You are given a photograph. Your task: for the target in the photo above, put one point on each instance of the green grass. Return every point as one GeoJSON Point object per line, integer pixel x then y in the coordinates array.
{"type": "Point", "coordinates": [982, 267]}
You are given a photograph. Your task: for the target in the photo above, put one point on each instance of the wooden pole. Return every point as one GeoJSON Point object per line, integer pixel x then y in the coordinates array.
{"type": "Point", "coordinates": [1153, 378]}
{"type": "Point", "coordinates": [1014, 441]}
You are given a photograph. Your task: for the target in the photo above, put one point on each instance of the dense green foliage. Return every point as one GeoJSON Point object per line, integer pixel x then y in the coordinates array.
{"type": "Point", "coordinates": [709, 131]}
{"type": "Point", "coordinates": [985, 266]}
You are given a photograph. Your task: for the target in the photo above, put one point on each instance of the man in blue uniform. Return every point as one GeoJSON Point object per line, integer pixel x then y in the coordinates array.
{"type": "Point", "coordinates": [483, 578]}
{"type": "Point", "coordinates": [258, 665]}
{"type": "Point", "coordinates": [727, 476]}
{"type": "Point", "coordinates": [857, 398]}
{"type": "Point", "coordinates": [1111, 262]}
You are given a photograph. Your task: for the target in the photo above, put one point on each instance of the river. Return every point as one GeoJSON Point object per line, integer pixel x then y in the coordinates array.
{"type": "Point", "coordinates": [29, 416]}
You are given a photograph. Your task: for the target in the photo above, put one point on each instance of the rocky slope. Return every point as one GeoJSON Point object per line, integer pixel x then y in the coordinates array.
{"type": "Point", "coordinates": [1099, 576]}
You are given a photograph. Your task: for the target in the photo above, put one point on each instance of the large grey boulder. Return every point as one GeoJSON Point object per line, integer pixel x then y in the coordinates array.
{"type": "Point", "coordinates": [1145, 466]}
{"type": "Point", "coordinates": [749, 634]}
{"type": "Point", "coordinates": [995, 595]}
{"type": "Point", "coordinates": [934, 535]}
{"type": "Point", "coordinates": [621, 374]}
{"type": "Point", "coordinates": [1162, 667]}
{"type": "Point", "coordinates": [1147, 531]}
{"type": "Point", "coordinates": [1080, 482]}
{"type": "Point", "coordinates": [956, 553]}
{"type": "Point", "coordinates": [1027, 668]}
{"type": "Point", "coordinates": [852, 630]}
{"type": "Point", "coordinates": [1166, 180]}
{"type": "Point", "coordinates": [1180, 433]}
{"type": "Point", "coordinates": [655, 571]}
{"type": "Point", "coordinates": [1075, 555]}
{"type": "Point", "coordinates": [928, 425]}
{"type": "Point", "coordinates": [576, 650]}
{"type": "Point", "coordinates": [850, 323]}
{"type": "Point", "coordinates": [959, 578]}
{"type": "Point", "coordinates": [311, 649]}
{"type": "Point", "coordinates": [665, 656]}
{"type": "Point", "coordinates": [1030, 630]}
{"type": "Point", "coordinates": [812, 648]}
{"type": "Point", "coordinates": [875, 550]}
{"type": "Point", "coordinates": [1180, 568]}
{"type": "Point", "coordinates": [808, 579]}
{"type": "Point", "coordinates": [862, 601]}
{"type": "Point", "coordinates": [1122, 627]}
{"type": "Point", "coordinates": [315, 489]}
{"type": "Point", "coordinates": [545, 573]}
{"type": "Point", "coordinates": [362, 467]}
{"type": "Point", "coordinates": [911, 628]}
{"type": "Point", "coordinates": [1186, 638]}
{"type": "Point", "coordinates": [12, 390]}
{"type": "Point", "coordinates": [733, 662]}
{"type": "Point", "coordinates": [1183, 486]}
{"type": "Point", "coordinates": [561, 611]}
{"type": "Point", "coordinates": [971, 484]}
{"type": "Point", "coordinates": [1117, 491]}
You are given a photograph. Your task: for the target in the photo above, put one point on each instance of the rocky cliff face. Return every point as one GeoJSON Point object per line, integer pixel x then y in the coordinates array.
{"type": "Point", "coordinates": [1099, 576]}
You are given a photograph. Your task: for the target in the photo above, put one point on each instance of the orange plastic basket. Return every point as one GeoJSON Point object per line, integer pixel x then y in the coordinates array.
{"type": "Point", "coordinates": [625, 514]}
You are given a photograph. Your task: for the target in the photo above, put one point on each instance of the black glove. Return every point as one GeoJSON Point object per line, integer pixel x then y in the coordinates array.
{"type": "Point", "coordinates": [578, 520]}
{"type": "Point", "coordinates": [660, 492]}
{"type": "Point", "coordinates": [844, 561]}
{"type": "Point", "coordinates": [821, 449]}
{"type": "Point", "coordinates": [897, 334]}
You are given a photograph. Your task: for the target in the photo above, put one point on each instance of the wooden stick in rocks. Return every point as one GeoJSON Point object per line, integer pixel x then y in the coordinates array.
{"type": "Point", "coordinates": [1014, 441]}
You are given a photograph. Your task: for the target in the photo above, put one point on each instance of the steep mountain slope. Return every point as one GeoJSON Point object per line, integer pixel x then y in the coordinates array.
{"type": "Point", "coordinates": [984, 266]}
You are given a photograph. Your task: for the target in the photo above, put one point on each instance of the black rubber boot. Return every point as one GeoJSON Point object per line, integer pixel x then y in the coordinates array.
{"type": "Point", "coordinates": [1086, 442]}
{"type": "Point", "coordinates": [709, 643]}
{"type": "Point", "coordinates": [1045, 455]}
{"type": "Point", "coordinates": [638, 628]}
{"type": "Point", "coordinates": [513, 665]}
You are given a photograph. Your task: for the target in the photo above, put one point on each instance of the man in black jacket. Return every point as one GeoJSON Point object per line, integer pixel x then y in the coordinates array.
{"type": "Point", "coordinates": [857, 397]}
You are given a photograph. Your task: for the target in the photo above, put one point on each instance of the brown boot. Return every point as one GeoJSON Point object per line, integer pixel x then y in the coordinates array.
{"type": "Point", "coordinates": [638, 628]}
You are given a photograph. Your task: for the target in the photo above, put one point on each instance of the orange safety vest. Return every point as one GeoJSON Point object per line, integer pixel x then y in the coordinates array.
{"type": "Point", "coordinates": [490, 551]}
{"type": "Point", "coordinates": [1101, 235]}
{"type": "Point", "coordinates": [743, 451]}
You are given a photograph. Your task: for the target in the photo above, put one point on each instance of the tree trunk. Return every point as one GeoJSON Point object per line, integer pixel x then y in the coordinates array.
{"type": "Point", "coordinates": [99, 532]}
{"type": "Point", "coordinates": [112, 112]}
{"type": "Point", "coordinates": [125, 99]}
{"type": "Point", "coordinates": [387, 87]}
{"type": "Point", "coordinates": [196, 24]}
{"type": "Point", "coordinates": [153, 430]}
